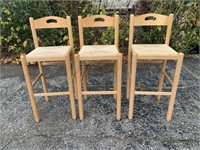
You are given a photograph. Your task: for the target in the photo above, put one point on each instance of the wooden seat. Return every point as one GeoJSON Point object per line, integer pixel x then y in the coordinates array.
{"type": "Point", "coordinates": [45, 53]}
{"type": "Point", "coordinates": [149, 50]}
{"type": "Point", "coordinates": [102, 51]}
{"type": "Point", "coordinates": [91, 53]}
{"type": "Point", "coordinates": [51, 54]}
{"type": "Point", "coordinates": [163, 52]}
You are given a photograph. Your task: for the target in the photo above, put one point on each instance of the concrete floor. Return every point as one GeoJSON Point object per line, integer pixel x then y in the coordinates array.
{"type": "Point", "coordinates": [100, 129]}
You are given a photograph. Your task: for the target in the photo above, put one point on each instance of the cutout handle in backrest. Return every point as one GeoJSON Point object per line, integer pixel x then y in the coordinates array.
{"type": "Point", "coordinates": [151, 19]}
{"type": "Point", "coordinates": [50, 22]}
{"type": "Point", "coordinates": [98, 21]}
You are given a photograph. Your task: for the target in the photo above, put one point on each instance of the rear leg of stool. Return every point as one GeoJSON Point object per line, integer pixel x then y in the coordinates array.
{"type": "Point", "coordinates": [128, 76]}
{"type": "Point", "coordinates": [161, 78]}
{"type": "Point", "coordinates": [44, 84]}
{"type": "Point", "coordinates": [115, 79]}
{"type": "Point", "coordinates": [74, 73]}
{"type": "Point", "coordinates": [84, 71]}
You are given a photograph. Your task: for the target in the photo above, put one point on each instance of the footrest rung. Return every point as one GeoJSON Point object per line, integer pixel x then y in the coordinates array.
{"type": "Point", "coordinates": [98, 92]}
{"type": "Point", "coordinates": [51, 94]}
{"type": "Point", "coordinates": [152, 93]}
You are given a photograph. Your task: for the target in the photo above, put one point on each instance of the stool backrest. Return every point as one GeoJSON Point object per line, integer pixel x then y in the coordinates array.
{"type": "Point", "coordinates": [98, 21]}
{"type": "Point", "coordinates": [151, 19]}
{"type": "Point", "coordinates": [50, 22]}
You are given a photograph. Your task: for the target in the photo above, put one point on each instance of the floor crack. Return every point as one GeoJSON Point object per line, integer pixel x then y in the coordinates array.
{"type": "Point", "coordinates": [7, 144]}
{"type": "Point", "coordinates": [14, 137]}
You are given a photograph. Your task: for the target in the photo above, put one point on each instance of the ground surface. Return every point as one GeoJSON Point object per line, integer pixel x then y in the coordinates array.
{"type": "Point", "coordinates": [100, 129]}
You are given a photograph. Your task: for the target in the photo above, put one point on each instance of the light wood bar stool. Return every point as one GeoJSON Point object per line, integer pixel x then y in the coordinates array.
{"type": "Point", "coordinates": [152, 52]}
{"type": "Point", "coordinates": [98, 53]}
{"type": "Point", "coordinates": [49, 55]}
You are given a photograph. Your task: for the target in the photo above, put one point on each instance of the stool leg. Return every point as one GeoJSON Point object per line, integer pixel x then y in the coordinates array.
{"type": "Point", "coordinates": [132, 86]}
{"type": "Point", "coordinates": [115, 79]}
{"type": "Point", "coordinates": [84, 70]}
{"type": "Point", "coordinates": [161, 78]}
{"type": "Point", "coordinates": [174, 86]}
{"type": "Point", "coordinates": [44, 84]}
{"type": "Point", "coordinates": [79, 90]}
{"type": "Point", "coordinates": [119, 85]}
{"type": "Point", "coordinates": [74, 72]}
{"type": "Point", "coordinates": [30, 88]}
{"type": "Point", "coordinates": [128, 77]}
{"type": "Point", "coordinates": [71, 93]}
{"type": "Point", "coordinates": [75, 85]}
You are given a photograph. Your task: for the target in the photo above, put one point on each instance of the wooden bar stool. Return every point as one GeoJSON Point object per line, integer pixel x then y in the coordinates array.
{"type": "Point", "coordinates": [51, 55]}
{"type": "Point", "coordinates": [151, 52]}
{"type": "Point", "coordinates": [98, 53]}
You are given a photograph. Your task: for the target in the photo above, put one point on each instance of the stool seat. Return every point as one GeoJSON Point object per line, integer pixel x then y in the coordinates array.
{"type": "Point", "coordinates": [50, 53]}
{"type": "Point", "coordinates": [100, 52]}
{"type": "Point", "coordinates": [153, 50]}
